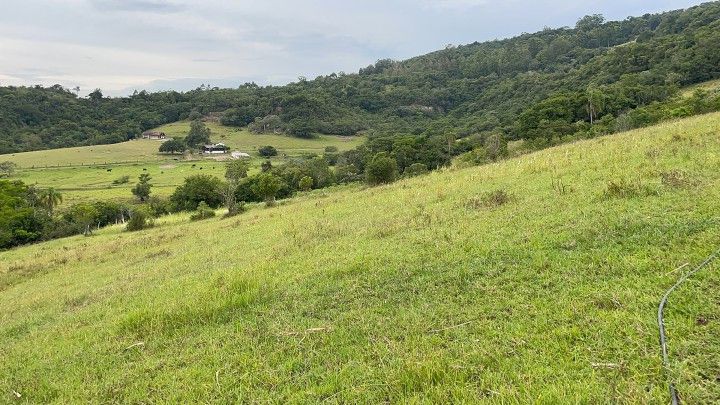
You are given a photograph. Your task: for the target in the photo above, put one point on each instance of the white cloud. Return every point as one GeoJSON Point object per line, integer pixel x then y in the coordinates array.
{"type": "Point", "coordinates": [121, 44]}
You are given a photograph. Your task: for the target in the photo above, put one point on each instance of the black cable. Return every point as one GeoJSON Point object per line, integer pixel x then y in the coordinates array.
{"type": "Point", "coordinates": [661, 323]}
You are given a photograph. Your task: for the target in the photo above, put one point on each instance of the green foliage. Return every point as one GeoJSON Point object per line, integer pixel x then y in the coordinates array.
{"type": "Point", "coordinates": [139, 220]}
{"type": "Point", "coordinates": [203, 212]}
{"type": "Point", "coordinates": [237, 170]}
{"type": "Point", "coordinates": [267, 151]}
{"type": "Point", "coordinates": [121, 180]}
{"type": "Point", "coordinates": [7, 169]}
{"type": "Point", "coordinates": [199, 134]}
{"type": "Point", "coordinates": [143, 188]}
{"type": "Point", "coordinates": [415, 169]}
{"type": "Point", "coordinates": [19, 222]}
{"type": "Point", "coordinates": [382, 169]}
{"type": "Point", "coordinates": [305, 183]}
{"type": "Point", "coordinates": [172, 146]}
{"type": "Point", "coordinates": [267, 187]}
{"type": "Point", "coordinates": [197, 188]}
{"type": "Point", "coordinates": [48, 199]}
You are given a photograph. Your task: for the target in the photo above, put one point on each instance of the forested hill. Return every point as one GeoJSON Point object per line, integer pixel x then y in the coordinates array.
{"type": "Point", "coordinates": [595, 78]}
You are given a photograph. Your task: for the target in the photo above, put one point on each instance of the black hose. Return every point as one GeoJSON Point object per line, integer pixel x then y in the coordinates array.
{"type": "Point", "coordinates": [661, 323]}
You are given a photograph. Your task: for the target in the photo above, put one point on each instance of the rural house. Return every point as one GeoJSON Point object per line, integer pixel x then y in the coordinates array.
{"type": "Point", "coordinates": [218, 148]}
{"type": "Point", "coordinates": [153, 135]}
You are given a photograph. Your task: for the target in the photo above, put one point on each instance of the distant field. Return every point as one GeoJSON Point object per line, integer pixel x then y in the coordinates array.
{"type": "Point", "coordinates": [242, 140]}
{"type": "Point", "coordinates": [423, 291]}
{"type": "Point", "coordinates": [94, 167]}
{"type": "Point", "coordinates": [138, 150]}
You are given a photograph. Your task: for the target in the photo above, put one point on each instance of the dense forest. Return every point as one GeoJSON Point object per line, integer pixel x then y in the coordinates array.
{"type": "Point", "coordinates": [558, 82]}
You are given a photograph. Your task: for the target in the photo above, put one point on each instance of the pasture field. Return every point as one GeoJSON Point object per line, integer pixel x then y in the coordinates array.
{"type": "Point", "coordinates": [242, 140]}
{"type": "Point", "coordinates": [86, 173]}
{"type": "Point", "coordinates": [532, 280]}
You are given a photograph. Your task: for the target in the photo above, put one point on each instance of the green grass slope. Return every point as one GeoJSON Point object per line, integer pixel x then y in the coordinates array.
{"type": "Point", "coordinates": [423, 290]}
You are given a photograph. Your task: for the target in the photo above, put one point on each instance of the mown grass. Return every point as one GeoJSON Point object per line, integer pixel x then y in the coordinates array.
{"type": "Point", "coordinates": [400, 293]}
{"type": "Point", "coordinates": [86, 173]}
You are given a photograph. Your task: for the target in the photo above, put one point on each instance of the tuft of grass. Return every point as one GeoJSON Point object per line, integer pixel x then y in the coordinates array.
{"type": "Point", "coordinates": [490, 199]}
{"type": "Point", "coordinates": [677, 179]}
{"type": "Point", "coordinates": [629, 189]}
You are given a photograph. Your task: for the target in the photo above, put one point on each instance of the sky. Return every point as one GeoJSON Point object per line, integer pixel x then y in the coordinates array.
{"type": "Point", "coordinates": [123, 45]}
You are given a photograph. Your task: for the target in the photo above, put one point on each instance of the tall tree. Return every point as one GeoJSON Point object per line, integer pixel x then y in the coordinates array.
{"type": "Point", "coordinates": [142, 188]}
{"type": "Point", "coordinates": [49, 198]}
{"type": "Point", "coordinates": [199, 134]}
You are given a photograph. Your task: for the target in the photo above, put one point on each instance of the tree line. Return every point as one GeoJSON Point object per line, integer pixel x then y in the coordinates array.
{"type": "Point", "coordinates": [558, 82]}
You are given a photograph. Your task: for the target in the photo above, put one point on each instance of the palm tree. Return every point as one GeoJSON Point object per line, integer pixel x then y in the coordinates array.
{"type": "Point", "coordinates": [49, 199]}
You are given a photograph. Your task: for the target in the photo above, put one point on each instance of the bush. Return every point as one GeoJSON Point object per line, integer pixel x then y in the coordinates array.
{"type": "Point", "coordinates": [381, 170]}
{"type": "Point", "coordinates": [267, 186]}
{"type": "Point", "coordinates": [121, 180]}
{"type": "Point", "coordinates": [7, 168]}
{"type": "Point", "coordinates": [267, 151]}
{"type": "Point", "coordinates": [305, 183]}
{"type": "Point", "coordinates": [203, 212]}
{"type": "Point", "coordinates": [139, 220]}
{"type": "Point", "coordinates": [172, 146]}
{"type": "Point", "coordinates": [197, 188]}
{"type": "Point", "coordinates": [158, 206]}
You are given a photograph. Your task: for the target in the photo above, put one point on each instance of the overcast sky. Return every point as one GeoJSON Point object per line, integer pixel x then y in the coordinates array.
{"type": "Point", "coordinates": [121, 45]}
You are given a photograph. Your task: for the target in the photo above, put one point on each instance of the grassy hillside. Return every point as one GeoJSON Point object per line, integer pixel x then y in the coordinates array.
{"type": "Point", "coordinates": [87, 173]}
{"type": "Point", "coordinates": [435, 288]}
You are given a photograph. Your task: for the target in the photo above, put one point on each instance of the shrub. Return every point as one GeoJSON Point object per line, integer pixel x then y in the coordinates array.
{"type": "Point", "coordinates": [267, 151]}
{"type": "Point", "coordinates": [203, 212]}
{"type": "Point", "coordinates": [139, 220]}
{"type": "Point", "coordinates": [7, 168]}
{"type": "Point", "coordinates": [267, 186]}
{"type": "Point", "coordinates": [121, 180]}
{"type": "Point", "coordinates": [158, 206]}
{"type": "Point", "coordinates": [382, 169]}
{"type": "Point", "coordinates": [197, 188]}
{"type": "Point", "coordinates": [305, 183]}
{"type": "Point", "coordinates": [172, 146]}
{"type": "Point", "coordinates": [142, 188]}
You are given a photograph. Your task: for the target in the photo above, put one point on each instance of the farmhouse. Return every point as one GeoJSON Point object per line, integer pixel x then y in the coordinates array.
{"type": "Point", "coordinates": [153, 135]}
{"type": "Point", "coordinates": [240, 155]}
{"type": "Point", "coordinates": [218, 148]}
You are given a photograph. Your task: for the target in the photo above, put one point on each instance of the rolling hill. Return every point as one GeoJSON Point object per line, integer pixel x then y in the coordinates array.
{"type": "Point", "coordinates": [534, 279]}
